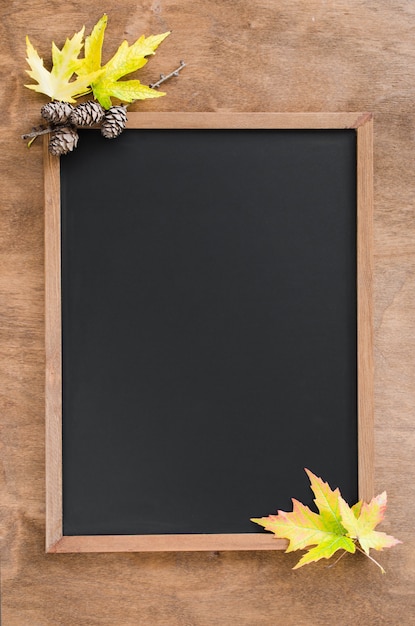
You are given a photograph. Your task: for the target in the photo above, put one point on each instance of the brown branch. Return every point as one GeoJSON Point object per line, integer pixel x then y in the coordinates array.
{"type": "Point", "coordinates": [37, 131]}
{"type": "Point", "coordinates": [164, 78]}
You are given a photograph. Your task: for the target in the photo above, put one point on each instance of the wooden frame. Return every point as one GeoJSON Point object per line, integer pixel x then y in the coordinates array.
{"type": "Point", "coordinates": [363, 124]}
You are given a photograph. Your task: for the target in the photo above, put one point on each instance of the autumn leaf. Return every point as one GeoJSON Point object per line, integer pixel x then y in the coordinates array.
{"type": "Point", "coordinates": [301, 527]}
{"type": "Point", "coordinates": [125, 61]}
{"type": "Point", "coordinates": [360, 526]}
{"type": "Point", "coordinates": [57, 83]}
{"type": "Point", "coordinates": [93, 47]}
{"type": "Point", "coordinates": [337, 526]}
{"type": "Point", "coordinates": [304, 528]}
{"type": "Point", "coordinates": [327, 502]}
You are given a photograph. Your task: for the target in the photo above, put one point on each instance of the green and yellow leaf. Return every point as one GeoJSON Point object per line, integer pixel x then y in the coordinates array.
{"type": "Point", "coordinates": [93, 48]}
{"type": "Point", "coordinates": [56, 83]}
{"type": "Point", "coordinates": [362, 527]}
{"type": "Point", "coordinates": [325, 549]}
{"type": "Point", "coordinates": [327, 502]}
{"type": "Point", "coordinates": [304, 528]}
{"type": "Point", "coordinates": [129, 90]}
{"type": "Point", "coordinates": [336, 527]}
{"type": "Point", "coordinates": [126, 60]}
{"type": "Point", "coordinates": [301, 527]}
{"type": "Point", "coordinates": [65, 61]}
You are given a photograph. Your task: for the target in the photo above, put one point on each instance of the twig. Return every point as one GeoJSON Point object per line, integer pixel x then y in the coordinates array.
{"type": "Point", "coordinates": [164, 78]}
{"type": "Point", "coordinates": [337, 560]}
{"type": "Point", "coordinates": [37, 131]}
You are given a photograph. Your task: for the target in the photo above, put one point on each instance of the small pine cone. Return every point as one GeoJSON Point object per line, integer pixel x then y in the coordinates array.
{"type": "Point", "coordinates": [114, 122]}
{"type": "Point", "coordinates": [87, 114]}
{"type": "Point", "coordinates": [56, 112]}
{"type": "Point", "coordinates": [63, 140]}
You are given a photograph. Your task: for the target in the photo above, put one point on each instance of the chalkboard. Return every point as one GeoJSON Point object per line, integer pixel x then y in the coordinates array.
{"type": "Point", "coordinates": [209, 342]}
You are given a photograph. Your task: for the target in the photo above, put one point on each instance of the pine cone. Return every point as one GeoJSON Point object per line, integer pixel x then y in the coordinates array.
{"type": "Point", "coordinates": [56, 112]}
{"type": "Point", "coordinates": [114, 122]}
{"type": "Point", "coordinates": [63, 140]}
{"type": "Point", "coordinates": [87, 114]}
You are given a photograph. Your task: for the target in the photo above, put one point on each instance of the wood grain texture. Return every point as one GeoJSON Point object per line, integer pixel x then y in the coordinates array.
{"type": "Point", "coordinates": [292, 55]}
{"type": "Point", "coordinates": [247, 120]}
{"type": "Point", "coordinates": [55, 541]}
{"type": "Point", "coordinates": [53, 351]}
{"type": "Point", "coordinates": [165, 543]}
{"type": "Point", "coordinates": [365, 308]}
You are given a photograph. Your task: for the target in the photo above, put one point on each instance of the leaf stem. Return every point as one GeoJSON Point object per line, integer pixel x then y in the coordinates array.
{"type": "Point", "coordinates": [337, 560]}
{"type": "Point", "coordinates": [371, 558]}
{"type": "Point", "coordinates": [164, 77]}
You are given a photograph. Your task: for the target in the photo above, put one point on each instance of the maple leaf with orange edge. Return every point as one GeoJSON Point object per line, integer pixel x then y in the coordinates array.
{"type": "Point", "coordinates": [361, 527]}
{"type": "Point", "coordinates": [336, 527]}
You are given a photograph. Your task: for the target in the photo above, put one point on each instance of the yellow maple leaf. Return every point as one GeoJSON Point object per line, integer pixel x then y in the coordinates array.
{"type": "Point", "coordinates": [57, 83]}
{"type": "Point", "coordinates": [93, 47]}
{"type": "Point", "coordinates": [126, 60]}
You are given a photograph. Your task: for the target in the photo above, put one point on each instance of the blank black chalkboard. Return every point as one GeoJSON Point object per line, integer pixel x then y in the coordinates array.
{"type": "Point", "coordinates": [209, 326]}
